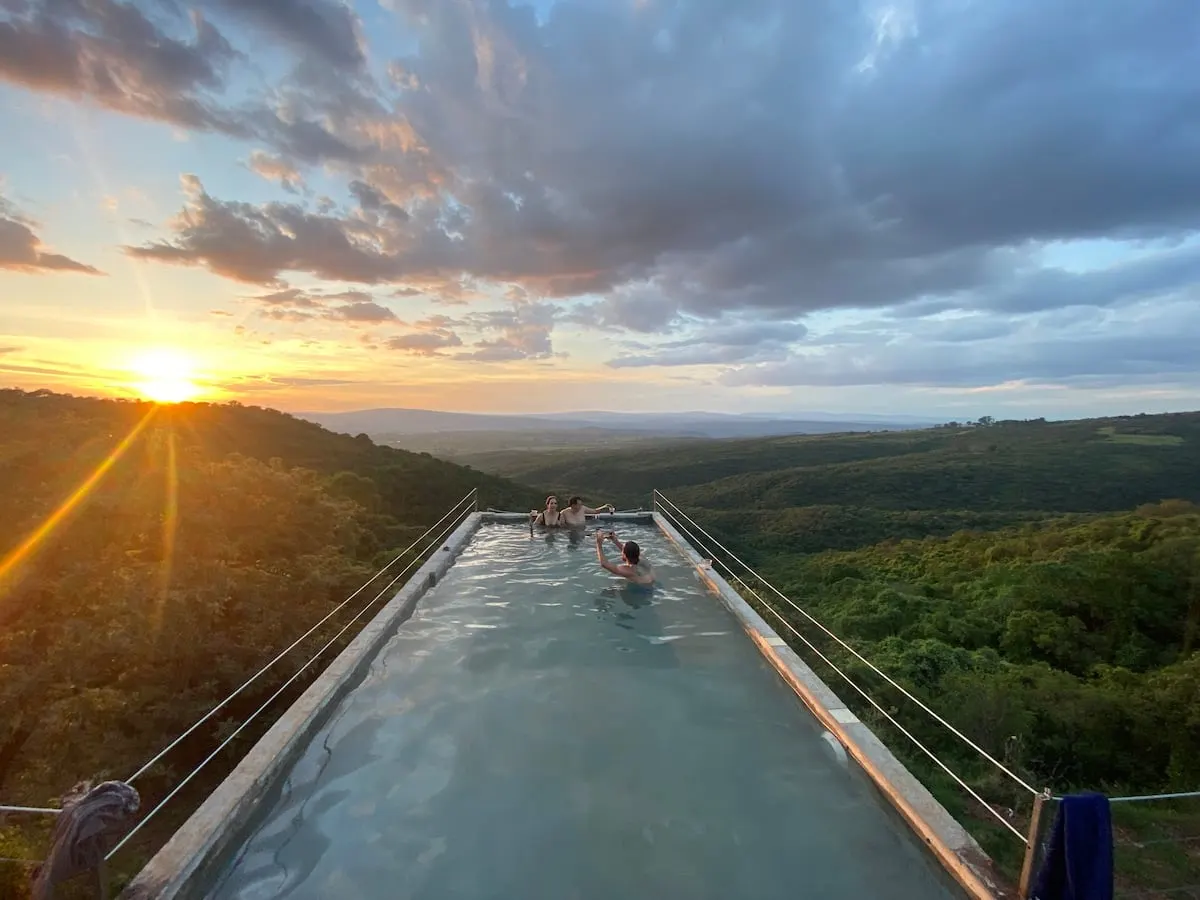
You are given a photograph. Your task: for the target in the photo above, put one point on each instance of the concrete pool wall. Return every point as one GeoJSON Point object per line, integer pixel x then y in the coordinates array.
{"type": "Point", "coordinates": [183, 867]}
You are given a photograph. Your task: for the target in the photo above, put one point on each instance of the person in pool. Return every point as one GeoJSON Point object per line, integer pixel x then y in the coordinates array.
{"type": "Point", "coordinates": [550, 516]}
{"type": "Point", "coordinates": [576, 513]}
{"type": "Point", "coordinates": [633, 567]}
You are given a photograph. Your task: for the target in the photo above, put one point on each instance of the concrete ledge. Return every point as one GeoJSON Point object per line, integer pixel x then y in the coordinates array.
{"type": "Point", "coordinates": [182, 868]}
{"type": "Point", "coordinates": [645, 517]}
{"type": "Point", "coordinates": [949, 842]}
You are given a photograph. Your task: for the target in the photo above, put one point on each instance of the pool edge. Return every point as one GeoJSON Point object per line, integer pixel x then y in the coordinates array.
{"type": "Point", "coordinates": [222, 820]}
{"type": "Point", "coordinates": [950, 843]}
{"type": "Point", "coordinates": [640, 516]}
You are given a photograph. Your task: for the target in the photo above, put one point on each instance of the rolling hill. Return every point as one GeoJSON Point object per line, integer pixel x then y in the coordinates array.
{"type": "Point", "coordinates": [496, 431]}
{"type": "Point", "coordinates": [1089, 465]}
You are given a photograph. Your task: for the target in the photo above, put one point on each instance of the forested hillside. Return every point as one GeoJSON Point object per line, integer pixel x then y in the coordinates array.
{"type": "Point", "coordinates": [808, 493]}
{"type": "Point", "coordinates": [1087, 465]}
{"type": "Point", "coordinates": [210, 538]}
{"type": "Point", "coordinates": [1036, 583]}
{"type": "Point", "coordinates": [1066, 648]}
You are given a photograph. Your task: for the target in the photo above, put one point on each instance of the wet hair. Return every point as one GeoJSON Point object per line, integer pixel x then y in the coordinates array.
{"type": "Point", "coordinates": [575, 500]}
{"type": "Point", "coordinates": [632, 552]}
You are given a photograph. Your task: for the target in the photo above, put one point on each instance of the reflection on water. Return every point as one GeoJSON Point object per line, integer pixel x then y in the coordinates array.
{"type": "Point", "coordinates": [632, 596]}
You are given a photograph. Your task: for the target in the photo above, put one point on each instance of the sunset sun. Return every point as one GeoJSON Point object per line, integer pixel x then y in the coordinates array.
{"type": "Point", "coordinates": [165, 376]}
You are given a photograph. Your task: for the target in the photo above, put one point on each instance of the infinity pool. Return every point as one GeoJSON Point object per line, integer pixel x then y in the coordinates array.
{"type": "Point", "coordinates": [539, 730]}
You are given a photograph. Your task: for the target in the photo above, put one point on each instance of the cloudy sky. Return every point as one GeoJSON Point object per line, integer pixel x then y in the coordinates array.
{"type": "Point", "coordinates": [943, 207]}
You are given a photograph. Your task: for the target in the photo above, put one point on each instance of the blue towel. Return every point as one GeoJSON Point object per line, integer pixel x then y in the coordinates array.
{"type": "Point", "coordinates": [1079, 853]}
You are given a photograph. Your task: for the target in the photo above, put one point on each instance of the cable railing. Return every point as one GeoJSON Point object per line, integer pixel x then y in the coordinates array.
{"type": "Point", "coordinates": [454, 523]}
{"type": "Point", "coordinates": [1156, 845]}
{"type": "Point", "coordinates": [455, 516]}
{"type": "Point", "coordinates": [470, 497]}
{"type": "Point", "coordinates": [1185, 795]}
{"type": "Point", "coordinates": [673, 514]}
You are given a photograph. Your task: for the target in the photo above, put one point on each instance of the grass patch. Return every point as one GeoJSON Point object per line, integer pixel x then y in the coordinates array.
{"type": "Point", "coordinates": [1144, 440]}
{"type": "Point", "coordinates": [1157, 848]}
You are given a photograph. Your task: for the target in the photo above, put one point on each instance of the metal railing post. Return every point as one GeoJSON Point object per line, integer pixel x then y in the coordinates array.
{"type": "Point", "coordinates": [1035, 822]}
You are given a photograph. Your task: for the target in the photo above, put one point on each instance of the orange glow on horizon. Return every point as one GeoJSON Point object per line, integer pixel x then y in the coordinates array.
{"type": "Point", "coordinates": [166, 376]}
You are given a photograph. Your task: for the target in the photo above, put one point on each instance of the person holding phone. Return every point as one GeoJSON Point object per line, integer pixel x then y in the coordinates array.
{"type": "Point", "coordinates": [632, 567]}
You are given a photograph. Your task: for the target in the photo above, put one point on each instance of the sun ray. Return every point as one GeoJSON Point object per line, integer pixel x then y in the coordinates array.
{"type": "Point", "coordinates": [9, 564]}
{"type": "Point", "coordinates": [170, 526]}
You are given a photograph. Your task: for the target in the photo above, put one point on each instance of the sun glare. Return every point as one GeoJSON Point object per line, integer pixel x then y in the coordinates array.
{"type": "Point", "coordinates": [165, 376]}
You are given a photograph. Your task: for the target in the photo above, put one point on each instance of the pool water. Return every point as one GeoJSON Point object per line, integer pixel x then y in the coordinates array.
{"type": "Point", "coordinates": [539, 729]}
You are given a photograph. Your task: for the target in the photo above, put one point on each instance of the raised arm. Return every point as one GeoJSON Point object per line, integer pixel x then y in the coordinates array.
{"type": "Point", "coordinates": [604, 563]}
{"type": "Point", "coordinates": [588, 511]}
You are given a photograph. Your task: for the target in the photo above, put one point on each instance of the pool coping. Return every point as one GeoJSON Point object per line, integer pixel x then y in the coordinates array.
{"type": "Point", "coordinates": [643, 516]}
{"type": "Point", "coordinates": [201, 844]}
{"type": "Point", "coordinates": [950, 843]}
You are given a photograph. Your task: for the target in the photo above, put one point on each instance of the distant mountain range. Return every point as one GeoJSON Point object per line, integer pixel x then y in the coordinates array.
{"type": "Point", "coordinates": [399, 422]}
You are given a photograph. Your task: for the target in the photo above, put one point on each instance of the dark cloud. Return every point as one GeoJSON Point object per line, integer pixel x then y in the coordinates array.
{"type": "Point", "coordinates": [363, 311]}
{"type": "Point", "coordinates": [1141, 342]}
{"type": "Point", "coordinates": [255, 244]}
{"type": "Point", "coordinates": [21, 249]}
{"type": "Point", "coordinates": [1151, 275]}
{"type": "Point", "coordinates": [640, 308]}
{"type": "Point", "coordinates": [741, 342]}
{"type": "Point", "coordinates": [297, 305]}
{"type": "Point", "coordinates": [294, 297]}
{"type": "Point", "coordinates": [350, 296]}
{"type": "Point", "coordinates": [328, 29]}
{"type": "Point", "coordinates": [425, 343]}
{"type": "Point", "coordinates": [524, 333]}
{"type": "Point", "coordinates": [770, 170]}
{"type": "Point", "coordinates": [157, 60]}
{"type": "Point", "coordinates": [115, 55]}
{"type": "Point", "coordinates": [529, 344]}
{"type": "Point", "coordinates": [373, 200]}
{"type": "Point", "coordinates": [1053, 120]}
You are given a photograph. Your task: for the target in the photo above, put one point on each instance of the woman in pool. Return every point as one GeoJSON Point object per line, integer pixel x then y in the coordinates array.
{"type": "Point", "coordinates": [633, 567]}
{"type": "Point", "coordinates": [550, 516]}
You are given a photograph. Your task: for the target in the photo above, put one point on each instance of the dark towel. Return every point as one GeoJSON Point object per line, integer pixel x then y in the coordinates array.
{"type": "Point", "coordinates": [90, 816]}
{"type": "Point", "coordinates": [1079, 853]}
